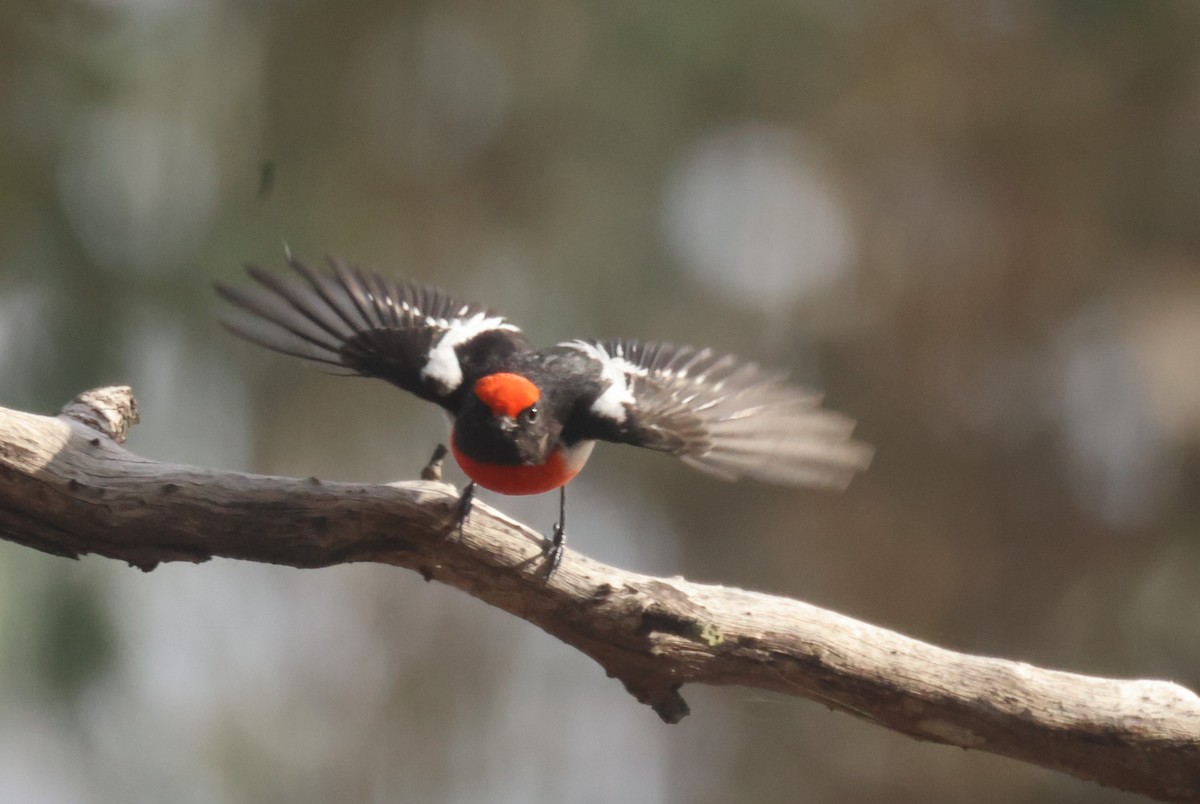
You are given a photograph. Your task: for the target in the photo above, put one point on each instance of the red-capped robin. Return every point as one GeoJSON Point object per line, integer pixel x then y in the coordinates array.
{"type": "Point", "coordinates": [525, 420]}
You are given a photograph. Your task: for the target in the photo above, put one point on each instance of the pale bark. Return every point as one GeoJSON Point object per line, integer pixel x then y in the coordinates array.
{"type": "Point", "coordinates": [67, 488]}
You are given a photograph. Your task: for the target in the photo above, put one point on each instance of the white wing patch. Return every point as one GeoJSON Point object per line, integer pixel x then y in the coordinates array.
{"type": "Point", "coordinates": [443, 367]}
{"type": "Point", "coordinates": [614, 402]}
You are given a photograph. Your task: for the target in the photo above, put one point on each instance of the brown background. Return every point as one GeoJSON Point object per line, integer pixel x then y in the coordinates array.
{"type": "Point", "coordinates": [975, 224]}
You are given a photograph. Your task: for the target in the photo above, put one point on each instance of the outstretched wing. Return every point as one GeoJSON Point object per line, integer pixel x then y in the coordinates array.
{"type": "Point", "coordinates": [723, 416]}
{"type": "Point", "coordinates": [412, 335]}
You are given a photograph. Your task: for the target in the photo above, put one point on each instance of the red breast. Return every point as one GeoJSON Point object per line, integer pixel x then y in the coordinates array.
{"type": "Point", "coordinates": [559, 468]}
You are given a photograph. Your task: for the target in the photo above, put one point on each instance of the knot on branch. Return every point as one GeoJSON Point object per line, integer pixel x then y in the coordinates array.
{"type": "Point", "coordinates": [112, 410]}
{"type": "Point", "coordinates": [662, 697]}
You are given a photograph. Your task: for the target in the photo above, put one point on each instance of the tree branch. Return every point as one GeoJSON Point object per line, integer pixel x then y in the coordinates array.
{"type": "Point", "coordinates": [67, 488]}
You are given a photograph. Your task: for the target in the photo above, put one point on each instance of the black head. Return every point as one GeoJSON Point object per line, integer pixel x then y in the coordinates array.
{"type": "Point", "coordinates": [502, 421]}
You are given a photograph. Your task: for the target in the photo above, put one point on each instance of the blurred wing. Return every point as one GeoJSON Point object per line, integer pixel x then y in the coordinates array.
{"type": "Point", "coordinates": [411, 335]}
{"type": "Point", "coordinates": [722, 416]}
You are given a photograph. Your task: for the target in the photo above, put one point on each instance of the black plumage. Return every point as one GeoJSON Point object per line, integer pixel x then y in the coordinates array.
{"type": "Point", "coordinates": [724, 416]}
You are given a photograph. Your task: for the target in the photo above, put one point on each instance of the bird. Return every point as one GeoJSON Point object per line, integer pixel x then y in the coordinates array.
{"type": "Point", "coordinates": [525, 420]}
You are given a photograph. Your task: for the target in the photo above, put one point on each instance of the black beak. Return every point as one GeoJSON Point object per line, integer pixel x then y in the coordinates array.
{"type": "Point", "coordinates": [507, 424]}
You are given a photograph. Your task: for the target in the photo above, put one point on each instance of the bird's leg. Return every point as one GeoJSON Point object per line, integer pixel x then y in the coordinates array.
{"type": "Point", "coordinates": [433, 469]}
{"type": "Point", "coordinates": [554, 550]}
{"type": "Point", "coordinates": [464, 505]}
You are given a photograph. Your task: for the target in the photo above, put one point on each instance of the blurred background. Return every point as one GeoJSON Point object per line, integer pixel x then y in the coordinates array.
{"type": "Point", "coordinates": [974, 223]}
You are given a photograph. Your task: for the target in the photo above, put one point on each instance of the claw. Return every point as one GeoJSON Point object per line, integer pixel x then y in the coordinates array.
{"type": "Point", "coordinates": [433, 469]}
{"type": "Point", "coordinates": [552, 549]}
{"type": "Point", "coordinates": [465, 500]}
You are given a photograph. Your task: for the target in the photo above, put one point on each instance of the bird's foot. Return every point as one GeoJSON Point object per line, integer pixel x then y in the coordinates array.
{"type": "Point", "coordinates": [552, 548]}
{"type": "Point", "coordinates": [463, 509]}
{"type": "Point", "coordinates": [433, 469]}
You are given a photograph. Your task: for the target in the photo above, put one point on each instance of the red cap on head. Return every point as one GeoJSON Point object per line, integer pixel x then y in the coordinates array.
{"type": "Point", "coordinates": [506, 394]}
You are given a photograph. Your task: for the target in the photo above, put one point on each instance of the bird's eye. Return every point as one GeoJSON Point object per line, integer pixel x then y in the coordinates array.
{"type": "Point", "coordinates": [531, 413]}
